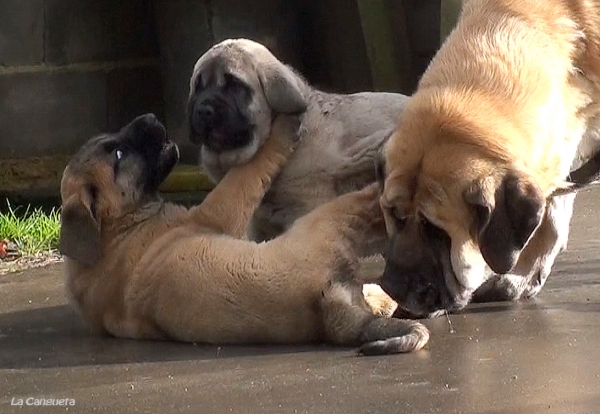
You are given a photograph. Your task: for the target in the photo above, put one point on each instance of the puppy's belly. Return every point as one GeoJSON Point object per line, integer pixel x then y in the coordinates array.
{"type": "Point", "coordinates": [214, 289]}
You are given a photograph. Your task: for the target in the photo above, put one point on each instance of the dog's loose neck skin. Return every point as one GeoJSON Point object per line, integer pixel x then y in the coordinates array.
{"type": "Point", "coordinates": [131, 220]}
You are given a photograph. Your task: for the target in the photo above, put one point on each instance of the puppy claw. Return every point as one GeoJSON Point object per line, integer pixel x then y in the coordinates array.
{"type": "Point", "coordinates": [416, 339]}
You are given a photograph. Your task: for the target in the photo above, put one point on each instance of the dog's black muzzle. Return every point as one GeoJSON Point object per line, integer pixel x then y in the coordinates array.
{"type": "Point", "coordinates": [219, 117]}
{"type": "Point", "coordinates": [147, 136]}
{"type": "Point", "coordinates": [417, 260]}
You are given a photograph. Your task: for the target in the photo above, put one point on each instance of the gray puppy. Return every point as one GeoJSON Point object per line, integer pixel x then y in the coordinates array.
{"type": "Point", "coordinates": [237, 88]}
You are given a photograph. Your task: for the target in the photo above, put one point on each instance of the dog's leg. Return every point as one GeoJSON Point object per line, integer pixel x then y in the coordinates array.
{"type": "Point", "coordinates": [380, 303]}
{"type": "Point", "coordinates": [531, 275]}
{"type": "Point", "coordinates": [552, 237]}
{"type": "Point", "coordinates": [558, 216]}
{"type": "Point", "coordinates": [338, 233]}
{"type": "Point", "coordinates": [348, 320]}
{"type": "Point", "coordinates": [229, 207]}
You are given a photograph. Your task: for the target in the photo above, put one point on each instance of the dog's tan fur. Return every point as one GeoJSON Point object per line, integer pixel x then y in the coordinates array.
{"type": "Point", "coordinates": [513, 92]}
{"type": "Point", "coordinates": [165, 272]}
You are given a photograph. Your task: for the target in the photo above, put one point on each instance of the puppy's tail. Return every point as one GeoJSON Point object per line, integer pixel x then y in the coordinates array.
{"type": "Point", "coordinates": [393, 336]}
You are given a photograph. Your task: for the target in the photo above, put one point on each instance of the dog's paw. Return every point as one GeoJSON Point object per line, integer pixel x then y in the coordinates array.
{"type": "Point", "coordinates": [411, 337]}
{"type": "Point", "coordinates": [378, 301]}
{"type": "Point", "coordinates": [286, 128]}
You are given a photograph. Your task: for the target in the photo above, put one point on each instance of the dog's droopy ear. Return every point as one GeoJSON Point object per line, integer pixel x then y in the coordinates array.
{"type": "Point", "coordinates": [79, 231]}
{"type": "Point", "coordinates": [194, 136]}
{"type": "Point", "coordinates": [284, 90]}
{"type": "Point", "coordinates": [505, 219]}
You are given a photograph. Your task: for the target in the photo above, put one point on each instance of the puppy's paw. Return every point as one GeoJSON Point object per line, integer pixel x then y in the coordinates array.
{"type": "Point", "coordinates": [393, 336]}
{"type": "Point", "coordinates": [283, 139]}
{"type": "Point", "coordinates": [378, 301]}
{"type": "Point", "coordinates": [286, 129]}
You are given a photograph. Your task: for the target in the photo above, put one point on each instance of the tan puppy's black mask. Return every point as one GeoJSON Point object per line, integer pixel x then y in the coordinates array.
{"type": "Point", "coordinates": [418, 262]}
{"type": "Point", "coordinates": [126, 169]}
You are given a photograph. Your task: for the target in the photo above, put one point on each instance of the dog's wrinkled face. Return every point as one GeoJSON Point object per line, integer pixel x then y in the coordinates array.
{"type": "Point", "coordinates": [236, 89]}
{"type": "Point", "coordinates": [219, 113]}
{"type": "Point", "coordinates": [110, 176]}
{"type": "Point", "coordinates": [454, 217]}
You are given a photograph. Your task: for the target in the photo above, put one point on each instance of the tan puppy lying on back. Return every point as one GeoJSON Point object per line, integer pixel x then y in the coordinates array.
{"type": "Point", "coordinates": [141, 268]}
{"type": "Point", "coordinates": [490, 134]}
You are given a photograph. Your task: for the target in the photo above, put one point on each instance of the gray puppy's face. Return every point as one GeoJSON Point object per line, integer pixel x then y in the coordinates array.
{"type": "Point", "coordinates": [220, 115]}
{"type": "Point", "coordinates": [228, 116]}
{"type": "Point", "coordinates": [236, 89]}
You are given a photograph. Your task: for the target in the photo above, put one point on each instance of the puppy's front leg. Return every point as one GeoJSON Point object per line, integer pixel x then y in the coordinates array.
{"type": "Point", "coordinates": [229, 207]}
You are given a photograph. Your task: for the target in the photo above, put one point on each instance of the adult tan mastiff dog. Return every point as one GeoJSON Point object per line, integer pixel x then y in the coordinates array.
{"type": "Point", "coordinates": [141, 268]}
{"type": "Point", "coordinates": [237, 88]}
{"type": "Point", "coordinates": [506, 108]}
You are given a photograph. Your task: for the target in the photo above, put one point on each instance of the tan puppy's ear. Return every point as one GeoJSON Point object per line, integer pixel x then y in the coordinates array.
{"type": "Point", "coordinates": [79, 230]}
{"type": "Point", "coordinates": [284, 90]}
{"type": "Point", "coordinates": [505, 219]}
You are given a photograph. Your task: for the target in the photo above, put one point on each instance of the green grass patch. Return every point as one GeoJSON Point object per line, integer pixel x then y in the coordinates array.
{"type": "Point", "coordinates": [33, 230]}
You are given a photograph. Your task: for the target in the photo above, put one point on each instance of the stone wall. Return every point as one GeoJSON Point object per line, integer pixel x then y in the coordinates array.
{"type": "Point", "coordinates": [72, 69]}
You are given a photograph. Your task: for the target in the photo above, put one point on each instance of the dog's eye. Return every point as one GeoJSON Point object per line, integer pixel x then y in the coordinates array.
{"type": "Point", "coordinates": [230, 80]}
{"type": "Point", "coordinates": [119, 154]}
{"type": "Point", "coordinates": [199, 83]}
{"type": "Point", "coordinates": [429, 228]}
{"type": "Point", "coordinates": [399, 218]}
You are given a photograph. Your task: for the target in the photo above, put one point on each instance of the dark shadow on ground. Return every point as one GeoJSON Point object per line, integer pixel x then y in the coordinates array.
{"type": "Point", "coordinates": [56, 337]}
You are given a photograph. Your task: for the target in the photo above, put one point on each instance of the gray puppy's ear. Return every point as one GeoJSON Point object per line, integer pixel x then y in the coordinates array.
{"type": "Point", "coordinates": [195, 83]}
{"type": "Point", "coordinates": [79, 230]}
{"type": "Point", "coordinates": [506, 219]}
{"type": "Point", "coordinates": [285, 91]}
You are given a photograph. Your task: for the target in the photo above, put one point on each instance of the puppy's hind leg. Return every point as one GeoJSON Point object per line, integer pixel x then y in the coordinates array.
{"type": "Point", "coordinates": [229, 207]}
{"type": "Point", "coordinates": [349, 321]}
{"type": "Point", "coordinates": [339, 233]}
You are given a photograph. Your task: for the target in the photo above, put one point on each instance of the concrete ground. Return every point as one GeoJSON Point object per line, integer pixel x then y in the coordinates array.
{"type": "Point", "coordinates": [541, 356]}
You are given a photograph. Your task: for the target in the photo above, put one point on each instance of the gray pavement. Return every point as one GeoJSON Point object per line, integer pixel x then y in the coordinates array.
{"type": "Point", "coordinates": [540, 356]}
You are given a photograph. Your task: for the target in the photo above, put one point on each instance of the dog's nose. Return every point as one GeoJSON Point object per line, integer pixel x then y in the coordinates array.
{"type": "Point", "coordinates": [206, 112]}
{"type": "Point", "coordinates": [150, 118]}
{"type": "Point", "coordinates": [146, 119]}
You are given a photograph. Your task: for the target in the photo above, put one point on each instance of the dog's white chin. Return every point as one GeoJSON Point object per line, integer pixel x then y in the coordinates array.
{"type": "Point", "coordinates": [216, 164]}
{"type": "Point", "coordinates": [469, 267]}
